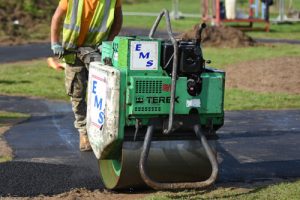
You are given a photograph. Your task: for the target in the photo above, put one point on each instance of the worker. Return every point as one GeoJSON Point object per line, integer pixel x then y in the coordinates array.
{"type": "Point", "coordinates": [86, 24]}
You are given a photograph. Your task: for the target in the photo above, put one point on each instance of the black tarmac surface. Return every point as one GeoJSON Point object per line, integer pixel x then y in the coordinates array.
{"type": "Point", "coordinates": [253, 146]}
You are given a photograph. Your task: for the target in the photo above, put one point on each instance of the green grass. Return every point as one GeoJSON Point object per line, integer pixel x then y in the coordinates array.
{"type": "Point", "coordinates": [236, 99]}
{"type": "Point", "coordinates": [280, 191]}
{"type": "Point", "coordinates": [222, 57]}
{"type": "Point", "coordinates": [11, 115]}
{"type": "Point", "coordinates": [32, 79]}
{"type": "Point", "coordinates": [187, 6]}
{"type": "Point", "coordinates": [278, 31]}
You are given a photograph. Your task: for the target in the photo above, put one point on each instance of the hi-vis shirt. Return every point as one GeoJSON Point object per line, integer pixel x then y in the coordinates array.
{"type": "Point", "coordinates": [87, 22]}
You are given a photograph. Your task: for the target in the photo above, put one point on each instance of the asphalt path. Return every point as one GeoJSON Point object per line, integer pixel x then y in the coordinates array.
{"type": "Point", "coordinates": [253, 146]}
{"type": "Point", "coordinates": [42, 50]}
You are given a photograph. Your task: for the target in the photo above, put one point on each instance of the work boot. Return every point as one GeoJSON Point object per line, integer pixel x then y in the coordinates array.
{"type": "Point", "coordinates": [84, 144]}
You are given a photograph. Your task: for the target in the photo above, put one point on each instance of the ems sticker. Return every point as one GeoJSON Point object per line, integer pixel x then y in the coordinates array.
{"type": "Point", "coordinates": [144, 55]}
{"type": "Point", "coordinates": [193, 103]}
{"type": "Point", "coordinates": [98, 98]}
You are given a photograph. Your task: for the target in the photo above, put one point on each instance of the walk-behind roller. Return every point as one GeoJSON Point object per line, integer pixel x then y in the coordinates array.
{"type": "Point", "coordinates": [153, 111]}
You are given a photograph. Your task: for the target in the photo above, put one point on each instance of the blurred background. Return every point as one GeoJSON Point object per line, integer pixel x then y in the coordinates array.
{"type": "Point", "coordinates": [29, 20]}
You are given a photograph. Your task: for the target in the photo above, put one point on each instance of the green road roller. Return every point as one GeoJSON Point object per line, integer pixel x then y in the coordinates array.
{"type": "Point", "coordinates": [154, 107]}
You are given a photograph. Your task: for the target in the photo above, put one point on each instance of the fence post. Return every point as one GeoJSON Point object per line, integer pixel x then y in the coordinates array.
{"type": "Point", "coordinates": [175, 13]}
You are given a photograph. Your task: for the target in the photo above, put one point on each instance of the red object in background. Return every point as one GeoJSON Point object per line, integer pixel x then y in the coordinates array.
{"type": "Point", "coordinates": [216, 17]}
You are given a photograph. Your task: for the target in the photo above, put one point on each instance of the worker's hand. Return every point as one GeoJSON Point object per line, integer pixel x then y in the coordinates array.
{"type": "Point", "coordinates": [57, 49]}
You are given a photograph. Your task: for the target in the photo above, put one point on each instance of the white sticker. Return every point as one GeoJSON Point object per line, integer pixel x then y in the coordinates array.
{"type": "Point", "coordinates": [193, 103]}
{"type": "Point", "coordinates": [144, 55]}
{"type": "Point", "coordinates": [98, 97]}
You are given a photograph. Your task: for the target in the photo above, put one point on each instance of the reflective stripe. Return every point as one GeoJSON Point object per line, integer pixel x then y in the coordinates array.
{"type": "Point", "coordinates": [103, 27]}
{"type": "Point", "coordinates": [72, 27]}
{"type": "Point", "coordinates": [74, 12]}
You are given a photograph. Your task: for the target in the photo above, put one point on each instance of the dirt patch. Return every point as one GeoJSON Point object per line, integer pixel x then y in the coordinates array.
{"type": "Point", "coordinates": [6, 153]}
{"type": "Point", "coordinates": [82, 194]}
{"type": "Point", "coordinates": [267, 75]}
{"type": "Point", "coordinates": [222, 36]}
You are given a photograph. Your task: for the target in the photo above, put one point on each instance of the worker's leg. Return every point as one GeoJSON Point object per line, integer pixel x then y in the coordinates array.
{"type": "Point", "coordinates": [76, 77]}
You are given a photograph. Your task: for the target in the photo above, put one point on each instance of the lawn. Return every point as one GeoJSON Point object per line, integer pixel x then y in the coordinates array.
{"type": "Point", "coordinates": [32, 78]}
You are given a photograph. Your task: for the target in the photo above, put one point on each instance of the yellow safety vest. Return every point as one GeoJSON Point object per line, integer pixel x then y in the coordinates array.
{"type": "Point", "coordinates": [99, 27]}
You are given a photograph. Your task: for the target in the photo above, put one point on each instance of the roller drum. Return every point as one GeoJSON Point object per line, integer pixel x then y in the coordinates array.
{"type": "Point", "coordinates": [169, 161]}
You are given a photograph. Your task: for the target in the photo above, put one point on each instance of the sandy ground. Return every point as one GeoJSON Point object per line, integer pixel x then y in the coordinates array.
{"type": "Point", "coordinates": [84, 194]}
{"type": "Point", "coordinates": [5, 150]}
{"type": "Point", "coordinates": [5, 125]}
{"type": "Point", "coordinates": [223, 36]}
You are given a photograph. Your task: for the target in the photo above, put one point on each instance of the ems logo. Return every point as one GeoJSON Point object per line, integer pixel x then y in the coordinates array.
{"type": "Point", "coordinates": [144, 55]}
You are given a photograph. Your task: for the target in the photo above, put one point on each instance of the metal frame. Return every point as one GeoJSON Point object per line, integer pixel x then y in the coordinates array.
{"type": "Point", "coordinates": [175, 61]}
{"type": "Point", "coordinates": [185, 185]}
{"type": "Point", "coordinates": [216, 17]}
{"type": "Point", "coordinates": [148, 137]}
{"type": "Point", "coordinates": [282, 18]}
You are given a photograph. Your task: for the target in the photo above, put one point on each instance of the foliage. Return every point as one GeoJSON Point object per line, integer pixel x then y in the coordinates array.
{"type": "Point", "coordinates": [17, 17]}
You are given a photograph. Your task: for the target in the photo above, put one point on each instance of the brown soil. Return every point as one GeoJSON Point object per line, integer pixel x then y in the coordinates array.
{"type": "Point", "coordinates": [268, 75]}
{"type": "Point", "coordinates": [222, 36]}
{"type": "Point", "coordinates": [82, 194]}
{"type": "Point", "coordinates": [5, 150]}
{"type": "Point", "coordinates": [5, 125]}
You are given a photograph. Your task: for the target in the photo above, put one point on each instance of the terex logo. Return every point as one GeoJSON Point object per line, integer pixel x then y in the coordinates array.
{"type": "Point", "coordinates": [161, 99]}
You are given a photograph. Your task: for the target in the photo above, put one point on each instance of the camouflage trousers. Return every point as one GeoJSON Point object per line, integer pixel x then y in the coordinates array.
{"type": "Point", "coordinates": [76, 80]}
